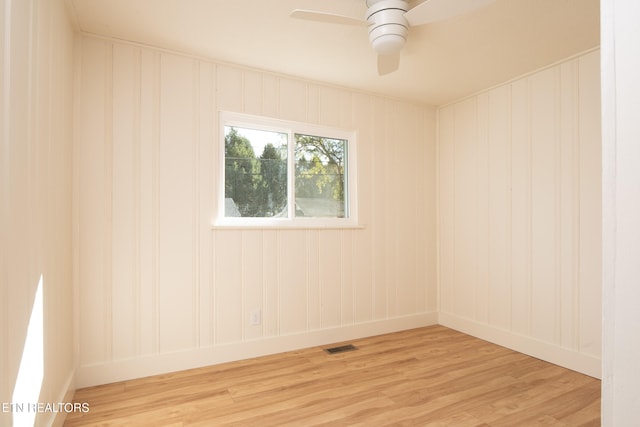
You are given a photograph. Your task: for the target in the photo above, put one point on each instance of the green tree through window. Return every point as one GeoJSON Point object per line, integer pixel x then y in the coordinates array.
{"type": "Point", "coordinates": [254, 187]}
{"type": "Point", "coordinates": [273, 173]}
{"type": "Point", "coordinates": [320, 173]}
{"type": "Point", "coordinates": [273, 185]}
{"type": "Point", "coordinates": [241, 173]}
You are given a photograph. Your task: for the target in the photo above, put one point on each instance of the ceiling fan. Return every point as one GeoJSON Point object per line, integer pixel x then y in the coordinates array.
{"type": "Point", "coordinates": [389, 22]}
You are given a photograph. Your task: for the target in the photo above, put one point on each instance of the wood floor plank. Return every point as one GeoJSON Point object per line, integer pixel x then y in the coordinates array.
{"type": "Point", "coordinates": [431, 376]}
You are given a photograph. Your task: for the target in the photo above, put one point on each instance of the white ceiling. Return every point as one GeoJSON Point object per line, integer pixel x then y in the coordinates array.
{"type": "Point", "coordinates": [440, 62]}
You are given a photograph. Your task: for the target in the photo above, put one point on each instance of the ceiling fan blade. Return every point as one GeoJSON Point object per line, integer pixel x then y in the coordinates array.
{"type": "Point", "coordinates": [439, 10]}
{"type": "Point", "coordinates": [388, 63]}
{"type": "Point", "coordinates": [313, 15]}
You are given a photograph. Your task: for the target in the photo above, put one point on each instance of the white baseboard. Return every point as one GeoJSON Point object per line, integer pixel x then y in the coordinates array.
{"type": "Point", "coordinates": [65, 396]}
{"type": "Point", "coordinates": [571, 359]}
{"type": "Point", "coordinates": [148, 365]}
{"type": "Point", "coordinates": [144, 366]}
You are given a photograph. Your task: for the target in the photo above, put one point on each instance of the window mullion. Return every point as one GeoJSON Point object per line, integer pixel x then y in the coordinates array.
{"type": "Point", "coordinates": [291, 172]}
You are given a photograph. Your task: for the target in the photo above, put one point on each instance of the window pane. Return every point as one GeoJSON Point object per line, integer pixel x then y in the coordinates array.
{"type": "Point", "coordinates": [320, 177]}
{"type": "Point", "coordinates": [255, 171]}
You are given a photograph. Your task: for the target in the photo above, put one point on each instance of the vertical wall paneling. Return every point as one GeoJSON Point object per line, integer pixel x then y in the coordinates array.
{"type": "Point", "coordinates": [91, 209]}
{"type": "Point", "coordinates": [329, 105]}
{"type": "Point", "coordinates": [362, 244]}
{"type": "Point", "coordinates": [520, 207]}
{"type": "Point", "coordinates": [402, 204]}
{"type": "Point", "coordinates": [19, 121]}
{"type": "Point", "coordinates": [544, 203]}
{"type": "Point", "coordinates": [269, 96]}
{"type": "Point", "coordinates": [228, 310]}
{"type": "Point", "coordinates": [465, 193]}
{"type": "Point", "coordinates": [291, 92]}
{"type": "Point", "coordinates": [347, 279]}
{"type": "Point", "coordinates": [107, 195]}
{"type": "Point", "coordinates": [429, 225]}
{"type": "Point", "coordinates": [229, 89]}
{"type": "Point", "coordinates": [519, 217]}
{"type": "Point", "coordinates": [390, 251]}
{"type": "Point", "coordinates": [482, 206]}
{"type": "Point", "coordinates": [176, 204]}
{"type": "Point", "coordinates": [137, 198]}
{"type": "Point", "coordinates": [195, 220]}
{"type": "Point", "coordinates": [124, 203]}
{"type": "Point", "coordinates": [252, 281]}
{"type": "Point", "coordinates": [446, 206]}
{"type": "Point", "coordinates": [149, 122]}
{"type": "Point", "coordinates": [252, 91]}
{"type": "Point", "coordinates": [292, 287]}
{"type": "Point", "coordinates": [590, 291]}
{"type": "Point", "coordinates": [330, 260]}
{"type": "Point", "coordinates": [569, 221]}
{"type": "Point", "coordinates": [313, 280]}
{"type": "Point", "coordinates": [313, 103]}
{"type": "Point", "coordinates": [36, 131]}
{"type": "Point", "coordinates": [499, 198]}
{"type": "Point", "coordinates": [205, 196]}
{"type": "Point", "coordinates": [271, 280]}
{"type": "Point", "coordinates": [421, 234]}
{"type": "Point", "coordinates": [148, 136]}
{"type": "Point", "coordinates": [378, 209]}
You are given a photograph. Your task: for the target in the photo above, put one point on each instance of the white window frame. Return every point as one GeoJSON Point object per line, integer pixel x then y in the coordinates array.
{"type": "Point", "coordinates": [290, 128]}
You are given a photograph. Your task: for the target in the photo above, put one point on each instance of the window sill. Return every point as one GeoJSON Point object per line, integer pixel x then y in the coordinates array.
{"type": "Point", "coordinates": [288, 226]}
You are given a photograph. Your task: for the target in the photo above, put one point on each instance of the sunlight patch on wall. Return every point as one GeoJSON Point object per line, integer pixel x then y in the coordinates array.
{"type": "Point", "coordinates": [31, 372]}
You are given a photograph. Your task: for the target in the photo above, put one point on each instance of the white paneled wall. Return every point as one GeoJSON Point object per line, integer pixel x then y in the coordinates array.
{"type": "Point", "coordinates": [519, 211]}
{"type": "Point", "coordinates": [160, 290]}
{"type": "Point", "coordinates": [36, 85]}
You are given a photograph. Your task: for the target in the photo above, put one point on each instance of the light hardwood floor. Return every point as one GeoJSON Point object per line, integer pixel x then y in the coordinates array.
{"type": "Point", "coordinates": [430, 376]}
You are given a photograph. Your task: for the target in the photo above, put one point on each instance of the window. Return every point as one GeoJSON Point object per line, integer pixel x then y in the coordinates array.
{"type": "Point", "coordinates": [285, 174]}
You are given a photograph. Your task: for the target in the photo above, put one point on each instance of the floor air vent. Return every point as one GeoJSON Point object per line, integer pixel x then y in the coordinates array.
{"type": "Point", "coordinates": [341, 349]}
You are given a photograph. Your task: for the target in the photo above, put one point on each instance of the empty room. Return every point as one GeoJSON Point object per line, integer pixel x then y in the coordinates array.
{"type": "Point", "coordinates": [305, 212]}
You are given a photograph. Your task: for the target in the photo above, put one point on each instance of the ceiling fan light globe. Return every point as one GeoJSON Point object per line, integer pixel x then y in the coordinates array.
{"type": "Point", "coordinates": [388, 29]}
{"type": "Point", "coordinates": [388, 44]}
